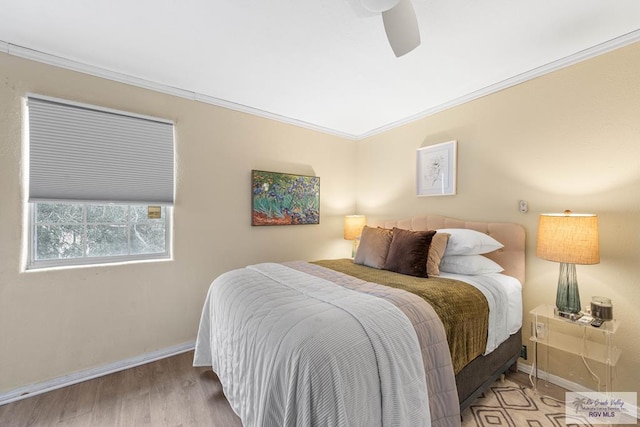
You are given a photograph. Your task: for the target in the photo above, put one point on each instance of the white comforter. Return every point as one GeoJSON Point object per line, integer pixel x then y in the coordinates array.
{"type": "Point", "coordinates": [294, 349]}
{"type": "Point", "coordinates": [504, 296]}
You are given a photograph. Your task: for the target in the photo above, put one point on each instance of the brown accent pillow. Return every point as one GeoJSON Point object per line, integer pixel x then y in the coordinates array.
{"type": "Point", "coordinates": [374, 247]}
{"type": "Point", "coordinates": [436, 251]}
{"type": "Point", "coordinates": [409, 251]}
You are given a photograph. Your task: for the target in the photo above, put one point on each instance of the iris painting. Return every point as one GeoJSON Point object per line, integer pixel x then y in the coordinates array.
{"type": "Point", "coordinates": [284, 199]}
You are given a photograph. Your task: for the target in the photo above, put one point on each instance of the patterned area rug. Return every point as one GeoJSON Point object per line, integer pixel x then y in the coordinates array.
{"type": "Point", "coordinates": [507, 404]}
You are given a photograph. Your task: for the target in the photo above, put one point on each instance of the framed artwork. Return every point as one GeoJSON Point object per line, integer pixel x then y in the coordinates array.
{"type": "Point", "coordinates": [284, 199]}
{"type": "Point", "coordinates": [436, 169]}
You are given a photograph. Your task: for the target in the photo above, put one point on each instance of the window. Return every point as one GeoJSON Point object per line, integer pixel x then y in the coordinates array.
{"type": "Point", "coordinates": [72, 234]}
{"type": "Point", "coordinates": [100, 184]}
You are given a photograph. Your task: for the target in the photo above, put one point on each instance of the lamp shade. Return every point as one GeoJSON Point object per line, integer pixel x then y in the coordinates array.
{"type": "Point", "coordinates": [568, 238]}
{"type": "Point", "coordinates": [353, 225]}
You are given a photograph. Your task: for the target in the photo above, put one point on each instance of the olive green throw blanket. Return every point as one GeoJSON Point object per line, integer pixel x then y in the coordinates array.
{"type": "Point", "coordinates": [462, 308]}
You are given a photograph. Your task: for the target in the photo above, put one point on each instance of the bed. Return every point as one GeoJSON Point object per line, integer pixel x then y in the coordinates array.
{"type": "Point", "coordinates": [335, 342]}
{"type": "Point", "coordinates": [483, 371]}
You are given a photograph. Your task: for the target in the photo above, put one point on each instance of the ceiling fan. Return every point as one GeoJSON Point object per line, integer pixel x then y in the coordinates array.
{"type": "Point", "coordinates": [400, 23]}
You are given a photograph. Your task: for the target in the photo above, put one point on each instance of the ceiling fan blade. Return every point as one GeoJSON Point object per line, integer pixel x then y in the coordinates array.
{"type": "Point", "coordinates": [378, 6]}
{"type": "Point", "coordinates": [401, 26]}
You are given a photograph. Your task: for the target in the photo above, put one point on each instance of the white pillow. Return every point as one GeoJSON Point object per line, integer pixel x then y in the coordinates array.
{"type": "Point", "coordinates": [469, 264]}
{"type": "Point", "coordinates": [463, 241]}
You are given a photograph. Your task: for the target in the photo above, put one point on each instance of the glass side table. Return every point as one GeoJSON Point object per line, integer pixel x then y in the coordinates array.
{"type": "Point", "coordinates": [575, 337]}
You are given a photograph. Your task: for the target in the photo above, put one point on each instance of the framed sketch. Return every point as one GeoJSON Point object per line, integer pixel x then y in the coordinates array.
{"type": "Point", "coordinates": [284, 199]}
{"type": "Point", "coordinates": [436, 169]}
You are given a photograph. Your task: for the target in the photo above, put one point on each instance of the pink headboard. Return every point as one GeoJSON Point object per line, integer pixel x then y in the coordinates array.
{"type": "Point", "coordinates": [511, 235]}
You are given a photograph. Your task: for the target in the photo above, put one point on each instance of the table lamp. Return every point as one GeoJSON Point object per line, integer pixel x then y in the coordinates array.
{"type": "Point", "coordinates": [353, 225]}
{"type": "Point", "coordinates": [569, 239]}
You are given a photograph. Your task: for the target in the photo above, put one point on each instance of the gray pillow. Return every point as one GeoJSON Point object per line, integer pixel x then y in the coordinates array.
{"type": "Point", "coordinates": [374, 246]}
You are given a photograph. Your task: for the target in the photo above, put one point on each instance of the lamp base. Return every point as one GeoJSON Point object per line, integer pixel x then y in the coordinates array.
{"type": "Point", "coordinates": [568, 296]}
{"type": "Point", "coordinates": [354, 247]}
{"type": "Point", "coordinates": [567, 314]}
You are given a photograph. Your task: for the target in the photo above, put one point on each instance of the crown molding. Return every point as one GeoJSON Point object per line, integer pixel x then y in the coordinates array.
{"type": "Point", "coordinates": [583, 55]}
{"type": "Point", "coordinates": [273, 116]}
{"type": "Point", "coordinates": [57, 61]}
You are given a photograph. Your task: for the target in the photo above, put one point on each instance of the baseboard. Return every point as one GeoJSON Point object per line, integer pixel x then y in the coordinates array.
{"type": "Point", "coordinates": [89, 374]}
{"type": "Point", "coordinates": [569, 385]}
{"type": "Point", "coordinates": [554, 379]}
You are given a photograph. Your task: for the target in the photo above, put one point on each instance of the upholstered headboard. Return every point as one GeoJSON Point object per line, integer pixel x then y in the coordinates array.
{"type": "Point", "coordinates": [511, 235]}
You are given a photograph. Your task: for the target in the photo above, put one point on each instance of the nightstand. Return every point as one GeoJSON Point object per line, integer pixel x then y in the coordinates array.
{"type": "Point", "coordinates": [575, 337]}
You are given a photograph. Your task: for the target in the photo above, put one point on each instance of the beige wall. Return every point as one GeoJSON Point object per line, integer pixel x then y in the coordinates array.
{"type": "Point", "coordinates": [568, 140]}
{"type": "Point", "coordinates": [54, 323]}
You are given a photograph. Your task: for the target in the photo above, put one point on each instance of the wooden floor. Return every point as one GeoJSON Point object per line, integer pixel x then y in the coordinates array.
{"type": "Point", "coordinates": [169, 392]}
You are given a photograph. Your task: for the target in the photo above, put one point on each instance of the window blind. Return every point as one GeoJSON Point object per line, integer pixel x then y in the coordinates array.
{"type": "Point", "coordinates": [84, 153]}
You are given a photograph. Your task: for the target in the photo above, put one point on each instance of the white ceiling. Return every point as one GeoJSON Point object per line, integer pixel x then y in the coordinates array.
{"type": "Point", "coordinates": [324, 64]}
